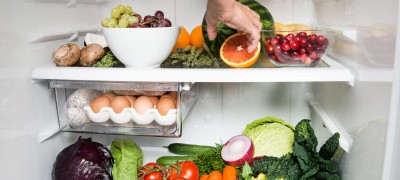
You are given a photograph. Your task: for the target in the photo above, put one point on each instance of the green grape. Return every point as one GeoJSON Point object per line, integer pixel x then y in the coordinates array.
{"type": "Point", "coordinates": [112, 23]}
{"type": "Point", "coordinates": [123, 23]}
{"type": "Point", "coordinates": [125, 16]}
{"type": "Point", "coordinates": [104, 22]}
{"type": "Point", "coordinates": [115, 13]}
{"type": "Point", "coordinates": [128, 10]}
{"type": "Point", "coordinates": [121, 8]}
{"type": "Point", "coordinates": [133, 19]}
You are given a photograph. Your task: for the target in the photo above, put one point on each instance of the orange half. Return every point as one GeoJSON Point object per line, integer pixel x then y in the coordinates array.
{"type": "Point", "coordinates": [234, 52]}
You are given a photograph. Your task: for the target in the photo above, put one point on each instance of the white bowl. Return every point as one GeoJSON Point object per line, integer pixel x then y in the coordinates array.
{"type": "Point", "coordinates": [142, 47]}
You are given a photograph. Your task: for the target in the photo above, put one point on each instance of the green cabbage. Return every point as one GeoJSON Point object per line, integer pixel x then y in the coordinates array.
{"type": "Point", "coordinates": [271, 136]}
{"type": "Point", "coordinates": [128, 158]}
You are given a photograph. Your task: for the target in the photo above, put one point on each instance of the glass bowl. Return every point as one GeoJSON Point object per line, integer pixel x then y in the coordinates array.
{"type": "Point", "coordinates": [295, 48]}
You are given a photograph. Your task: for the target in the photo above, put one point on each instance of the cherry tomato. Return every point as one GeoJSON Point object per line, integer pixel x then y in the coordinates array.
{"type": "Point", "coordinates": [189, 170]}
{"type": "Point", "coordinates": [156, 175]}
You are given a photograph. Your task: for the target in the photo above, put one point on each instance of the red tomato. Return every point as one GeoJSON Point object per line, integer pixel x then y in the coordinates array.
{"type": "Point", "coordinates": [149, 168]}
{"type": "Point", "coordinates": [172, 172]}
{"type": "Point", "coordinates": [156, 175]}
{"type": "Point", "coordinates": [189, 170]}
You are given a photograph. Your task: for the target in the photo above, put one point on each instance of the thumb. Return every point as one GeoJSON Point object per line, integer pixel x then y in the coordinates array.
{"type": "Point", "coordinates": [212, 31]}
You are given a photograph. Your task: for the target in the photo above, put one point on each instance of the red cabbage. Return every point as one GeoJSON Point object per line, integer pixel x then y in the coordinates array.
{"type": "Point", "coordinates": [83, 160]}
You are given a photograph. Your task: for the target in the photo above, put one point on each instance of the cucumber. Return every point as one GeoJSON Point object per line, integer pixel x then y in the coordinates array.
{"type": "Point", "coordinates": [169, 160]}
{"type": "Point", "coordinates": [188, 149]}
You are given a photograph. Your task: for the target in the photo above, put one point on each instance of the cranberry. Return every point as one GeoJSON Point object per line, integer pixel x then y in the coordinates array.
{"type": "Point", "coordinates": [279, 36]}
{"type": "Point", "coordinates": [309, 48]}
{"type": "Point", "coordinates": [303, 41]}
{"type": "Point", "coordinates": [277, 49]}
{"type": "Point", "coordinates": [275, 42]}
{"type": "Point", "coordinates": [295, 45]}
{"type": "Point", "coordinates": [302, 50]}
{"type": "Point", "coordinates": [285, 46]}
{"type": "Point", "coordinates": [312, 38]}
{"type": "Point", "coordinates": [269, 49]}
{"type": "Point", "coordinates": [284, 40]}
{"type": "Point", "coordinates": [301, 34]}
{"type": "Point", "coordinates": [321, 40]}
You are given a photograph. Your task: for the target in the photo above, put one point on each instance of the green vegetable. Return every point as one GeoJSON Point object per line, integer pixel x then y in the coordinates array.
{"type": "Point", "coordinates": [108, 60]}
{"type": "Point", "coordinates": [210, 160]}
{"type": "Point", "coordinates": [223, 31]}
{"type": "Point", "coordinates": [187, 149]}
{"type": "Point", "coordinates": [285, 167]}
{"type": "Point", "coordinates": [330, 147]}
{"type": "Point", "coordinates": [260, 176]}
{"type": "Point", "coordinates": [128, 158]}
{"type": "Point", "coordinates": [247, 172]}
{"type": "Point", "coordinates": [169, 160]}
{"type": "Point", "coordinates": [190, 57]}
{"type": "Point", "coordinates": [271, 136]}
{"type": "Point", "coordinates": [305, 162]}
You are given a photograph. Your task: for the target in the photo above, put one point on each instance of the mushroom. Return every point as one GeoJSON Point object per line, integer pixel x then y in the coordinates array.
{"type": "Point", "coordinates": [90, 54]}
{"type": "Point", "coordinates": [66, 55]}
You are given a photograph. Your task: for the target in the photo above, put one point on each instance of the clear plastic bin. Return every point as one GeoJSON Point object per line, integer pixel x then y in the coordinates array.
{"type": "Point", "coordinates": [74, 98]}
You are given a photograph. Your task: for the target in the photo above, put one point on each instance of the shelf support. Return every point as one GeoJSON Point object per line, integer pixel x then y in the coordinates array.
{"type": "Point", "coordinates": [332, 124]}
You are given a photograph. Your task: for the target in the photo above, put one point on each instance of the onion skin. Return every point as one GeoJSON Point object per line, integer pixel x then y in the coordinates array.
{"type": "Point", "coordinates": [248, 151]}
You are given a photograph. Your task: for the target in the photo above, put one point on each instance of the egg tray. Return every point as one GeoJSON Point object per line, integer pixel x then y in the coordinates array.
{"type": "Point", "coordinates": [130, 114]}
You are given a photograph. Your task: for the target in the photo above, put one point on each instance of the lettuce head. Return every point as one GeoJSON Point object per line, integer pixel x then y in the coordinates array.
{"type": "Point", "coordinates": [271, 136]}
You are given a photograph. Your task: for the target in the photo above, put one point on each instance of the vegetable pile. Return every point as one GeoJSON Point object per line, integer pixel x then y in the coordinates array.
{"type": "Point", "coordinates": [191, 57]}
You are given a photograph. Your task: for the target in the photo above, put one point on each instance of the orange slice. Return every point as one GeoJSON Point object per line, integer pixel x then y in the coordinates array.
{"type": "Point", "coordinates": [234, 52]}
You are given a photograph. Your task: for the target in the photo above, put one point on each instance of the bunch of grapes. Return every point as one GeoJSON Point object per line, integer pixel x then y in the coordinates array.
{"type": "Point", "coordinates": [123, 17]}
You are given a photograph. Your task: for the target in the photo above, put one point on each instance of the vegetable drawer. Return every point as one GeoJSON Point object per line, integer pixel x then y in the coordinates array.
{"type": "Point", "coordinates": [128, 108]}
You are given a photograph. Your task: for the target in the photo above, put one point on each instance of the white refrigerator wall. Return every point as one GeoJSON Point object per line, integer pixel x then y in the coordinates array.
{"type": "Point", "coordinates": [27, 108]}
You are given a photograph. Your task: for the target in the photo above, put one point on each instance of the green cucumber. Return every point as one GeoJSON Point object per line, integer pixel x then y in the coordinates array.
{"type": "Point", "coordinates": [188, 149]}
{"type": "Point", "coordinates": [169, 160]}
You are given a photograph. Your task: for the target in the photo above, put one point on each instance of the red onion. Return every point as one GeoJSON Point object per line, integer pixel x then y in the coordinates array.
{"type": "Point", "coordinates": [238, 150]}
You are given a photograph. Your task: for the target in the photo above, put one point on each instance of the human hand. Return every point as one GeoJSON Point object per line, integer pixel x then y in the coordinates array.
{"type": "Point", "coordinates": [234, 15]}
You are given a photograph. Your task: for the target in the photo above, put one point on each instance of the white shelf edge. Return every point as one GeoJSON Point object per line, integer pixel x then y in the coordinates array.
{"type": "Point", "coordinates": [70, 34]}
{"type": "Point", "coordinates": [46, 134]}
{"type": "Point", "coordinates": [336, 72]}
{"type": "Point", "coordinates": [332, 124]}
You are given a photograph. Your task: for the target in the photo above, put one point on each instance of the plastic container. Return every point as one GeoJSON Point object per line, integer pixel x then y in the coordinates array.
{"type": "Point", "coordinates": [295, 47]}
{"type": "Point", "coordinates": [73, 99]}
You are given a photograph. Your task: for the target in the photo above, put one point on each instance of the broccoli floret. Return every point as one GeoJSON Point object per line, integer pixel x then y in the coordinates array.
{"type": "Point", "coordinates": [108, 60]}
{"type": "Point", "coordinates": [330, 147]}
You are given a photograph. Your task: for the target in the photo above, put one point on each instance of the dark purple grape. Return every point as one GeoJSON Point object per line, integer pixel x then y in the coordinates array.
{"type": "Point", "coordinates": [164, 23]}
{"type": "Point", "coordinates": [154, 24]}
{"type": "Point", "coordinates": [135, 25]}
{"type": "Point", "coordinates": [159, 15]}
{"type": "Point", "coordinates": [147, 19]}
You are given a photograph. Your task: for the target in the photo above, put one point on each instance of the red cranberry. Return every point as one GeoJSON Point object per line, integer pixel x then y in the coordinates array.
{"type": "Point", "coordinates": [303, 42]}
{"type": "Point", "coordinates": [321, 40]}
{"type": "Point", "coordinates": [269, 49]}
{"type": "Point", "coordinates": [312, 38]}
{"type": "Point", "coordinates": [285, 46]}
{"type": "Point", "coordinates": [295, 45]}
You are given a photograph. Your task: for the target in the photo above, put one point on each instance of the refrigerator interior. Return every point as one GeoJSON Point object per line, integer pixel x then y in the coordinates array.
{"type": "Point", "coordinates": [363, 106]}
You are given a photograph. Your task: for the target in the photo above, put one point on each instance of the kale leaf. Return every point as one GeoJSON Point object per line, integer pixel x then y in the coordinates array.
{"type": "Point", "coordinates": [330, 147]}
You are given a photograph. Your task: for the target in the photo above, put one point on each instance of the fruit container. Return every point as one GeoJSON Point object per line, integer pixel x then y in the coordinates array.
{"type": "Point", "coordinates": [295, 48]}
{"type": "Point", "coordinates": [142, 47]}
{"type": "Point", "coordinates": [92, 107]}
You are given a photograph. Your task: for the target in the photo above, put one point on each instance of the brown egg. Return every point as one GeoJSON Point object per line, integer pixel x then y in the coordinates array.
{"type": "Point", "coordinates": [174, 94]}
{"type": "Point", "coordinates": [131, 99]}
{"type": "Point", "coordinates": [110, 95]}
{"type": "Point", "coordinates": [119, 103]}
{"type": "Point", "coordinates": [165, 104]}
{"type": "Point", "coordinates": [99, 102]}
{"type": "Point", "coordinates": [154, 99]}
{"type": "Point", "coordinates": [170, 97]}
{"type": "Point", "coordinates": [143, 103]}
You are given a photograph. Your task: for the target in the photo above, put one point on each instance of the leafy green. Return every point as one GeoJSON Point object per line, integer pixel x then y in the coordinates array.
{"type": "Point", "coordinates": [330, 147]}
{"type": "Point", "coordinates": [108, 60]}
{"type": "Point", "coordinates": [271, 136]}
{"type": "Point", "coordinates": [304, 162]}
{"type": "Point", "coordinates": [128, 157]}
{"type": "Point", "coordinates": [246, 172]}
{"type": "Point", "coordinates": [210, 160]}
{"type": "Point", "coordinates": [284, 167]}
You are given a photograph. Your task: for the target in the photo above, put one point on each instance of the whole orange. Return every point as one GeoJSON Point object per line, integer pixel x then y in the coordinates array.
{"type": "Point", "coordinates": [183, 39]}
{"type": "Point", "coordinates": [196, 37]}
